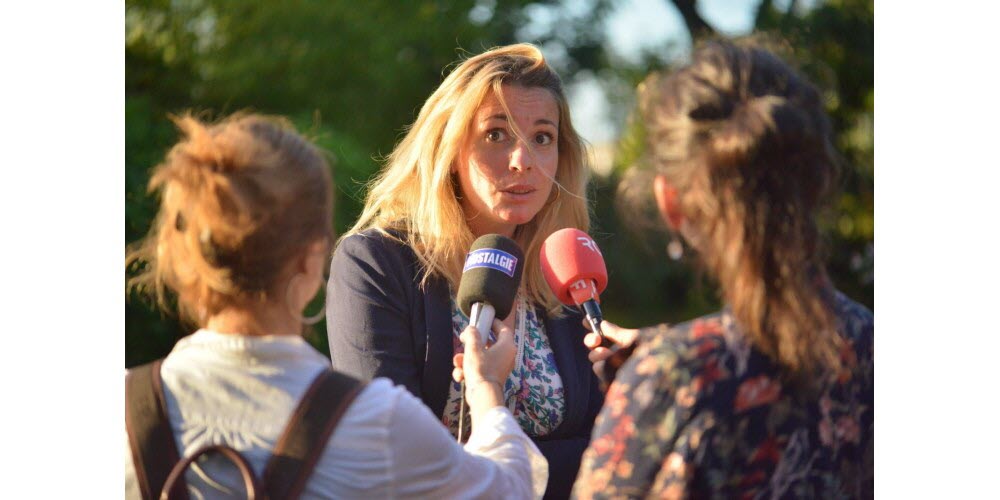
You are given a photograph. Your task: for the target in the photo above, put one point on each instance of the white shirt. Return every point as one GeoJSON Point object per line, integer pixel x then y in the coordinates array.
{"type": "Point", "coordinates": [240, 391]}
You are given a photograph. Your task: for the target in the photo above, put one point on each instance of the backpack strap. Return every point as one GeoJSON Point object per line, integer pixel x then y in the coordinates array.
{"type": "Point", "coordinates": [175, 482]}
{"type": "Point", "coordinates": [154, 452]}
{"type": "Point", "coordinates": [308, 431]}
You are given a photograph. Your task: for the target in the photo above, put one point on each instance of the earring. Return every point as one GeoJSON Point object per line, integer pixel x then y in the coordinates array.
{"type": "Point", "coordinates": [308, 320]}
{"type": "Point", "coordinates": [675, 249]}
{"type": "Point", "coordinates": [316, 318]}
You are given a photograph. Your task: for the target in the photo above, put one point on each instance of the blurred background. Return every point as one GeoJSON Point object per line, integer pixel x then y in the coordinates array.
{"type": "Point", "coordinates": [352, 75]}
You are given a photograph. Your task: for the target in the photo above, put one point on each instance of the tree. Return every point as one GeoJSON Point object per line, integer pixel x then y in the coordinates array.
{"type": "Point", "coordinates": [351, 75]}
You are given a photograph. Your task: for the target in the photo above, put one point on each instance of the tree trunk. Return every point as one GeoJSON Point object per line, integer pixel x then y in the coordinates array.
{"type": "Point", "coordinates": [696, 25]}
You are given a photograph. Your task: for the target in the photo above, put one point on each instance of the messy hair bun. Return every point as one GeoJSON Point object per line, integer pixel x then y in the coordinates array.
{"type": "Point", "coordinates": [239, 200]}
{"type": "Point", "coordinates": [746, 142]}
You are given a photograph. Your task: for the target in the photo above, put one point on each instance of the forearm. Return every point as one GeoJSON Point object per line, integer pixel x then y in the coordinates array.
{"type": "Point", "coordinates": [519, 469]}
{"type": "Point", "coordinates": [482, 396]}
{"type": "Point", "coordinates": [499, 461]}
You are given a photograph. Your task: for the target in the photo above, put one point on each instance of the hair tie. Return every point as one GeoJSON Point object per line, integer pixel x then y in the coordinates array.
{"type": "Point", "coordinates": [206, 245]}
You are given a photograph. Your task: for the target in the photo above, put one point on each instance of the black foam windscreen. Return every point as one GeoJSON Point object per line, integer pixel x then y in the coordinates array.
{"type": "Point", "coordinates": [491, 274]}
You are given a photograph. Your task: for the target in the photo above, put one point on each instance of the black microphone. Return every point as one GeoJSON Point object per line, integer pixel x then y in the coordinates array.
{"type": "Point", "coordinates": [490, 279]}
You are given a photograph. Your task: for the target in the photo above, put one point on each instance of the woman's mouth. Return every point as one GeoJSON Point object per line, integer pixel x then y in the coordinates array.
{"type": "Point", "coordinates": [518, 190]}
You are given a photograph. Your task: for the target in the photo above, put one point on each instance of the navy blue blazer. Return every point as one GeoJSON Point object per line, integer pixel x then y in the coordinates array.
{"type": "Point", "coordinates": [380, 323]}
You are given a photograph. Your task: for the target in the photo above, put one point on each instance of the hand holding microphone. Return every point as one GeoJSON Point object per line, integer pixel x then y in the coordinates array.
{"type": "Point", "coordinates": [599, 350]}
{"type": "Point", "coordinates": [574, 268]}
{"type": "Point", "coordinates": [484, 370]}
{"type": "Point", "coordinates": [490, 279]}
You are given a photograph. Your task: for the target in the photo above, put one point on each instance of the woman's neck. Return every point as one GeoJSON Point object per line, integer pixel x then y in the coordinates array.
{"type": "Point", "coordinates": [481, 228]}
{"type": "Point", "coordinates": [263, 320]}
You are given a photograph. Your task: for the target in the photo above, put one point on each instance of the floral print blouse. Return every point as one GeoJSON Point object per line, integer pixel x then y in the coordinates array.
{"type": "Point", "coordinates": [696, 412]}
{"type": "Point", "coordinates": [533, 391]}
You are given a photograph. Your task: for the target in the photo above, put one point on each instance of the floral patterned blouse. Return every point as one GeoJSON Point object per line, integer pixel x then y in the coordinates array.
{"type": "Point", "coordinates": [533, 391]}
{"type": "Point", "coordinates": [696, 412]}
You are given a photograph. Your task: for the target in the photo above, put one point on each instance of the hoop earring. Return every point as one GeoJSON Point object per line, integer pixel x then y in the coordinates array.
{"type": "Point", "coordinates": [316, 318]}
{"type": "Point", "coordinates": [307, 320]}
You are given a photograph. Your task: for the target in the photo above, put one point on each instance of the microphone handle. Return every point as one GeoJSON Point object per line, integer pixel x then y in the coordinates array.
{"type": "Point", "coordinates": [593, 311]}
{"type": "Point", "coordinates": [607, 369]}
{"type": "Point", "coordinates": [481, 317]}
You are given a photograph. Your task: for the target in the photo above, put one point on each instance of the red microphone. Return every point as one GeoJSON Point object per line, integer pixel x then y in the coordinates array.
{"type": "Point", "coordinates": [574, 269]}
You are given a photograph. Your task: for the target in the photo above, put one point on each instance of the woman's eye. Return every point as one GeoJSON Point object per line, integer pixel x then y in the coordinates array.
{"type": "Point", "coordinates": [496, 135]}
{"type": "Point", "coordinates": [543, 139]}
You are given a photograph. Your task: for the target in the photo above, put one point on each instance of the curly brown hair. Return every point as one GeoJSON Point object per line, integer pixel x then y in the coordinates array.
{"type": "Point", "coordinates": [746, 142]}
{"type": "Point", "coordinates": [239, 200]}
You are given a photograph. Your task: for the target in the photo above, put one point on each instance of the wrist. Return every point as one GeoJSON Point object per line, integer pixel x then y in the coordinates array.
{"type": "Point", "coordinates": [486, 387]}
{"type": "Point", "coordinates": [484, 382]}
{"type": "Point", "coordinates": [482, 395]}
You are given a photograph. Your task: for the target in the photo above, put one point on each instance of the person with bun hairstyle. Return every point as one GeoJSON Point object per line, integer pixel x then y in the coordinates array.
{"type": "Point", "coordinates": [493, 150]}
{"type": "Point", "coordinates": [771, 397]}
{"type": "Point", "coordinates": [241, 239]}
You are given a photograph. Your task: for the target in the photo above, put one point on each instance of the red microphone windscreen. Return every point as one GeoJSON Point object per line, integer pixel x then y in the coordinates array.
{"type": "Point", "coordinates": [570, 261]}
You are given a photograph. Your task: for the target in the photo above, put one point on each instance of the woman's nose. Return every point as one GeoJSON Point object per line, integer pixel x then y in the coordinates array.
{"type": "Point", "coordinates": [521, 158]}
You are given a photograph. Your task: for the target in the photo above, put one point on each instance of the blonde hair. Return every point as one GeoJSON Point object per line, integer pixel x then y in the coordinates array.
{"type": "Point", "coordinates": [416, 194]}
{"type": "Point", "coordinates": [239, 200]}
{"type": "Point", "coordinates": [746, 142]}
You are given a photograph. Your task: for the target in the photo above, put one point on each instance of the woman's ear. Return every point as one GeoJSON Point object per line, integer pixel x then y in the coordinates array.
{"type": "Point", "coordinates": [311, 261]}
{"type": "Point", "coordinates": [316, 257]}
{"type": "Point", "coordinates": [667, 202]}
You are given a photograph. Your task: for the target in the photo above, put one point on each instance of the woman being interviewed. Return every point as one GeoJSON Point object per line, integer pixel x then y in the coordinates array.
{"type": "Point", "coordinates": [242, 237]}
{"type": "Point", "coordinates": [772, 397]}
{"type": "Point", "coordinates": [493, 150]}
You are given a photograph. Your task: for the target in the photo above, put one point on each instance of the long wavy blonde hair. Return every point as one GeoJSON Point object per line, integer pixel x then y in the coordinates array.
{"type": "Point", "coordinates": [745, 140]}
{"type": "Point", "coordinates": [416, 194]}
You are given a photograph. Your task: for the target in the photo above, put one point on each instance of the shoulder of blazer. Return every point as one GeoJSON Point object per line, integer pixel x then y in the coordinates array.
{"type": "Point", "coordinates": [390, 243]}
{"type": "Point", "coordinates": [387, 252]}
{"type": "Point", "coordinates": [431, 306]}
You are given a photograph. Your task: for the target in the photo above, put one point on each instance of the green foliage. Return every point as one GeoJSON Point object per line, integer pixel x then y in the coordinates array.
{"type": "Point", "coordinates": [352, 75]}
{"type": "Point", "coordinates": [148, 134]}
{"type": "Point", "coordinates": [834, 45]}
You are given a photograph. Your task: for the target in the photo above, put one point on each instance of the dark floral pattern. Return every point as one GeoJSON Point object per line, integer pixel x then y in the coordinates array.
{"type": "Point", "coordinates": [696, 412]}
{"type": "Point", "coordinates": [533, 391]}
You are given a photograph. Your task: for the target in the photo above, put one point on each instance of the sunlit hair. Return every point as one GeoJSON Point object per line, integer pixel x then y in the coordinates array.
{"type": "Point", "coordinates": [746, 142]}
{"type": "Point", "coordinates": [239, 200]}
{"type": "Point", "coordinates": [416, 194]}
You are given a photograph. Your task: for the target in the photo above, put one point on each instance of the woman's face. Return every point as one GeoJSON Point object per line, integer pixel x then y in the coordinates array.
{"type": "Point", "coordinates": [504, 181]}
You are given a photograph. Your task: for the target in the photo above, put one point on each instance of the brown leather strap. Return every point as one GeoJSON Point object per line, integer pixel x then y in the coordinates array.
{"type": "Point", "coordinates": [307, 433]}
{"type": "Point", "coordinates": [154, 452]}
{"type": "Point", "coordinates": [175, 482]}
